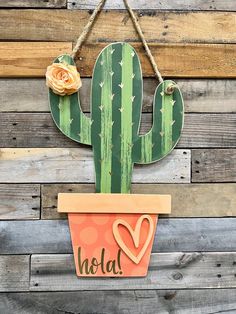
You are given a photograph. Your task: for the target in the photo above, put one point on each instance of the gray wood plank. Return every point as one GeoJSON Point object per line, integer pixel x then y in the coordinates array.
{"type": "Point", "coordinates": [166, 271]}
{"type": "Point", "coordinates": [45, 4]}
{"type": "Point", "coordinates": [75, 165]}
{"type": "Point", "coordinates": [228, 5]}
{"type": "Point", "coordinates": [14, 272]}
{"type": "Point", "coordinates": [182, 234]}
{"type": "Point", "coordinates": [39, 130]}
{"type": "Point", "coordinates": [188, 200]}
{"type": "Point", "coordinates": [214, 165]}
{"type": "Point", "coordinates": [199, 95]}
{"type": "Point", "coordinates": [19, 201]}
{"type": "Point", "coordinates": [196, 301]}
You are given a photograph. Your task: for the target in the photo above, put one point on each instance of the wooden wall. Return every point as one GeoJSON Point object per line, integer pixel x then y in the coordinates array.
{"type": "Point", "coordinates": [193, 264]}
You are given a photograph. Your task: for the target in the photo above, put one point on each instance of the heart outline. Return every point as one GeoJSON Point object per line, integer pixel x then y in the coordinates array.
{"type": "Point", "coordinates": [135, 234]}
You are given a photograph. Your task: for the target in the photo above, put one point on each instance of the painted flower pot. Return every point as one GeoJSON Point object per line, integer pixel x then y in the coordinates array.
{"type": "Point", "coordinates": [112, 234]}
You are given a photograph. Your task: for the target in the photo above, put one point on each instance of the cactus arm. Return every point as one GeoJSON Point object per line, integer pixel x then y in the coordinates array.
{"type": "Point", "coordinates": [166, 129]}
{"type": "Point", "coordinates": [67, 113]}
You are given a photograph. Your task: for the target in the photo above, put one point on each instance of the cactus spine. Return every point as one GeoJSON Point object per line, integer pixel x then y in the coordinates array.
{"type": "Point", "coordinates": [112, 130]}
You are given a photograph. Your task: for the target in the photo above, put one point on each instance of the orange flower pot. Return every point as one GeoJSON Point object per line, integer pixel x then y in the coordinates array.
{"type": "Point", "coordinates": [112, 234]}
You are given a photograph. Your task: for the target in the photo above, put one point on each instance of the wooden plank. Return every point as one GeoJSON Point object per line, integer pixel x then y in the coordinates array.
{"type": "Point", "coordinates": [48, 4]}
{"type": "Point", "coordinates": [174, 60]}
{"type": "Point", "coordinates": [178, 27]}
{"type": "Point", "coordinates": [47, 165]}
{"type": "Point", "coordinates": [182, 234]}
{"type": "Point", "coordinates": [29, 59]}
{"type": "Point", "coordinates": [199, 95]}
{"type": "Point", "coordinates": [205, 5]}
{"type": "Point", "coordinates": [122, 301]}
{"type": "Point", "coordinates": [200, 200]}
{"type": "Point", "coordinates": [19, 201]}
{"type": "Point", "coordinates": [214, 165]}
{"type": "Point", "coordinates": [166, 271]}
{"type": "Point", "coordinates": [39, 130]}
{"type": "Point", "coordinates": [14, 272]}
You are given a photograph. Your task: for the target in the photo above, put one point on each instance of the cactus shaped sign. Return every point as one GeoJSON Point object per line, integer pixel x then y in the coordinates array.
{"type": "Point", "coordinates": [110, 237]}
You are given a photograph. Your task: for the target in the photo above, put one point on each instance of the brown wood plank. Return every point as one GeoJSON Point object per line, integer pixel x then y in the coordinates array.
{"type": "Point", "coordinates": [124, 301]}
{"type": "Point", "coordinates": [166, 271]}
{"type": "Point", "coordinates": [14, 273]}
{"type": "Point", "coordinates": [174, 60]}
{"type": "Point", "coordinates": [19, 201]}
{"type": "Point", "coordinates": [47, 165]}
{"type": "Point", "coordinates": [182, 27]}
{"type": "Point", "coordinates": [29, 59]}
{"type": "Point", "coordinates": [216, 5]}
{"type": "Point", "coordinates": [39, 130]}
{"type": "Point", "coordinates": [188, 200]}
{"type": "Point", "coordinates": [199, 95]}
{"type": "Point", "coordinates": [172, 235]}
{"type": "Point", "coordinates": [46, 4]}
{"type": "Point", "coordinates": [214, 165]}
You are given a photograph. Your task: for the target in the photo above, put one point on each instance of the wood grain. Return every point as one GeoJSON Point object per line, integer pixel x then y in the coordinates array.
{"type": "Point", "coordinates": [188, 200]}
{"type": "Point", "coordinates": [124, 301]}
{"type": "Point", "coordinates": [188, 235]}
{"type": "Point", "coordinates": [29, 59]}
{"type": "Point", "coordinates": [208, 96]}
{"type": "Point", "coordinates": [174, 60]}
{"type": "Point", "coordinates": [214, 165]}
{"type": "Point", "coordinates": [174, 27]}
{"type": "Point", "coordinates": [19, 201]}
{"type": "Point", "coordinates": [166, 271]}
{"type": "Point", "coordinates": [39, 130]}
{"type": "Point", "coordinates": [47, 165]}
{"type": "Point", "coordinates": [216, 5]}
{"type": "Point", "coordinates": [14, 272]}
{"type": "Point", "coordinates": [49, 4]}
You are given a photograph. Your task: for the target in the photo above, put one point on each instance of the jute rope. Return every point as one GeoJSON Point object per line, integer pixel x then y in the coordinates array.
{"type": "Point", "coordinates": [137, 26]}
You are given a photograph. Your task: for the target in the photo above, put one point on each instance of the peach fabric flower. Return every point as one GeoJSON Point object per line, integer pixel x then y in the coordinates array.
{"type": "Point", "coordinates": [63, 79]}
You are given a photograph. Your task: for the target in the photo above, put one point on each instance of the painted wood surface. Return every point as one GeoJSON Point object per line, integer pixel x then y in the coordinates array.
{"type": "Point", "coordinates": [19, 201]}
{"type": "Point", "coordinates": [166, 271]}
{"type": "Point", "coordinates": [29, 59]}
{"type": "Point", "coordinates": [14, 272]}
{"type": "Point", "coordinates": [188, 235]}
{"type": "Point", "coordinates": [174, 60]}
{"type": "Point", "coordinates": [76, 165]}
{"type": "Point", "coordinates": [194, 301]}
{"type": "Point", "coordinates": [199, 95]}
{"type": "Point", "coordinates": [216, 5]}
{"type": "Point", "coordinates": [188, 200]}
{"type": "Point", "coordinates": [174, 27]}
{"type": "Point", "coordinates": [48, 4]}
{"type": "Point", "coordinates": [38, 130]}
{"type": "Point", "coordinates": [214, 165]}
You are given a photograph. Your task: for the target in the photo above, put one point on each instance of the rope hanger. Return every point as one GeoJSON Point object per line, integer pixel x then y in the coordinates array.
{"type": "Point", "coordinates": [137, 26]}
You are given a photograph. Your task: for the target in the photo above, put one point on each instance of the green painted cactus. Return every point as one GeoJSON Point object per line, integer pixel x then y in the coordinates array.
{"type": "Point", "coordinates": [113, 129]}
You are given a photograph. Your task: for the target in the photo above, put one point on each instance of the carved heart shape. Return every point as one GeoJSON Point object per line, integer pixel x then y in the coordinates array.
{"type": "Point", "coordinates": [135, 234]}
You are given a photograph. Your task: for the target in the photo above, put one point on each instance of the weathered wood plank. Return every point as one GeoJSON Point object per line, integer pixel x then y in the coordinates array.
{"type": "Point", "coordinates": [19, 201]}
{"type": "Point", "coordinates": [49, 4]}
{"type": "Point", "coordinates": [125, 301]}
{"type": "Point", "coordinates": [217, 5]}
{"type": "Point", "coordinates": [14, 273]}
{"type": "Point", "coordinates": [199, 95]}
{"type": "Point", "coordinates": [29, 59]}
{"type": "Point", "coordinates": [39, 130]}
{"type": "Point", "coordinates": [166, 271]}
{"type": "Point", "coordinates": [214, 165]}
{"type": "Point", "coordinates": [182, 27]}
{"type": "Point", "coordinates": [47, 165]}
{"type": "Point", "coordinates": [200, 200]}
{"type": "Point", "coordinates": [174, 60]}
{"type": "Point", "coordinates": [52, 236]}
